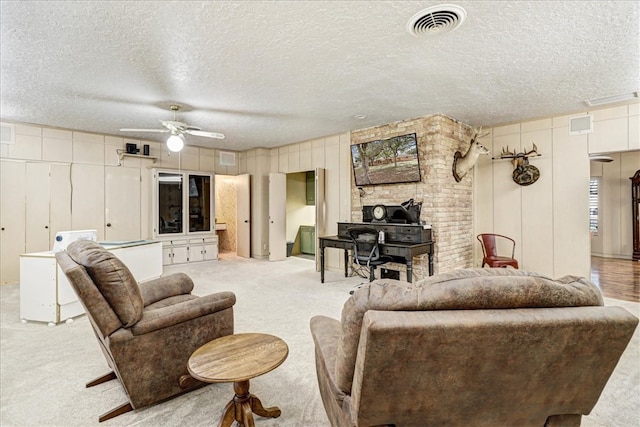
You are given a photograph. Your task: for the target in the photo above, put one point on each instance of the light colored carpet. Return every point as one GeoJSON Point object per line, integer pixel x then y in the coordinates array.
{"type": "Point", "coordinates": [43, 369]}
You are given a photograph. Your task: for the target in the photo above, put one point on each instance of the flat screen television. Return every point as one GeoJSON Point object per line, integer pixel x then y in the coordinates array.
{"type": "Point", "coordinates": [386, 161]}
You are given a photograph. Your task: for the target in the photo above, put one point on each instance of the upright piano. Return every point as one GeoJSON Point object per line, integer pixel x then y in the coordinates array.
{"type": "Point", "coordinates": [402, 243]}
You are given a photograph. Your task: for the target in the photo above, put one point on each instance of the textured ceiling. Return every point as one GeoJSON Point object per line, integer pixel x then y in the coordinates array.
{"type": "Point", "coordinates": [268, 73]}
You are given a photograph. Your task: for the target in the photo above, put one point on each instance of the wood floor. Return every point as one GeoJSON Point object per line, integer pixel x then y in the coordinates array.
{"type": "Point", "coordinates": [618, 278]}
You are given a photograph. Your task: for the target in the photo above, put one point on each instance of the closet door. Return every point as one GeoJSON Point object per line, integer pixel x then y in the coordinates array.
{"type": "Point", "coordinates": [37, 207]}
{"type": "Point", "coordinates": [59, 199]}
{"type": "Point", "coordinates": [277, 216]}
{"type": "Point", "coordinates": [122, 203]}
{"type": "Point", "coordinates": [87, 198]}
{"type": "Point", "coordinates": [12, 219]}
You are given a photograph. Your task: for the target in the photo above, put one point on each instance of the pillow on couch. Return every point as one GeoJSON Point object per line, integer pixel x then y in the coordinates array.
{"type": "Point", "coordinates": [112, 278]}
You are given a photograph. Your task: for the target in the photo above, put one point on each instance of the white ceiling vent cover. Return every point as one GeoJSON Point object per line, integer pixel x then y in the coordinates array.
{"type": "Point", "coordinates": [227, 158]}
{"type": "Point", "coordinates": [436, 20]}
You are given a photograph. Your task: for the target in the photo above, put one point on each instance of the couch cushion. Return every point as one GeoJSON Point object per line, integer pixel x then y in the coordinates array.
{"type": "Point", "coordinates": [112, 278]}
{"type": "Point", "coordinates": [466, 289]}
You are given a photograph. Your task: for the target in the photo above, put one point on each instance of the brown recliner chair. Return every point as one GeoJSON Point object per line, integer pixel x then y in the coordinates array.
{"type": "Point", "coordinates": [490, 250]}
{"type": "Point", "coordinates": [476, 347]}
{"type": "Point", "coordinates": [146, 331]}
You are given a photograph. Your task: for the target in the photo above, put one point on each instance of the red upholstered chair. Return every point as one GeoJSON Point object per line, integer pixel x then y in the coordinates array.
{"type": "Point", "coordinates": [490, 243]}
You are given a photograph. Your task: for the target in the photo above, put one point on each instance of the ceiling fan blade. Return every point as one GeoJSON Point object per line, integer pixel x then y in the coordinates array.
{"type": "Point", "coordinates": [205, 134]}
{"type": "Point", "coordinates": [144, 130]}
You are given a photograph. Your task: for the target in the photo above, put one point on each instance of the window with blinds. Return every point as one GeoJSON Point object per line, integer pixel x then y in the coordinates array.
{"type": "Point", "coordinates": [594, 188]}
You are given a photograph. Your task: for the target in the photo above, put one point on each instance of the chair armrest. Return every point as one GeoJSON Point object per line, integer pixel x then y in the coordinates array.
{"type": "Point", "coordinates": [153, 320]}
{"type": "Point", "coordinates": [164, 287]}
{"type": "Point", "coordinates": [326, 335]}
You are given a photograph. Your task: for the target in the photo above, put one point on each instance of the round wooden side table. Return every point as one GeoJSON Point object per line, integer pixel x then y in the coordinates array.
{"type": "Point", "coordinates": [239, 358]}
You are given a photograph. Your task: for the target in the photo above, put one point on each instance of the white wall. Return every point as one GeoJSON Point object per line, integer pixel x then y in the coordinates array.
{"type": "Point", "coordinates": [548, 219]}
{"type": "Point", "coordinates": [91, 160]}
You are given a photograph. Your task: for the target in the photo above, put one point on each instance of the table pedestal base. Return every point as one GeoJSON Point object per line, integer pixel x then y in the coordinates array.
{"type": "Point", "coordinates": [242, 407]}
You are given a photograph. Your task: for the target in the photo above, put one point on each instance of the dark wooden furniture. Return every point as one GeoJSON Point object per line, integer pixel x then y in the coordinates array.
{"type": "Point", "coordinates": [635, 213]}
{"type": "Point", "coordinates": [238, 358]}
{"type": "Point", "coordinates": [402, 243]}
{"type": "Point", "coordinates": [366, 249]}
{"type": "Point", "coordinates": [490, 243]}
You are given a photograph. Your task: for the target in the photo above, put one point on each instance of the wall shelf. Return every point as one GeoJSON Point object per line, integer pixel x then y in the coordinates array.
{"type": "Point", "coordinates": [122, 154]}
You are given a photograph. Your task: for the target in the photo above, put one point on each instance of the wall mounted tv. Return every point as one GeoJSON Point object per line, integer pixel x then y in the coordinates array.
{"type": "Point", "coordinates": [386, 161]}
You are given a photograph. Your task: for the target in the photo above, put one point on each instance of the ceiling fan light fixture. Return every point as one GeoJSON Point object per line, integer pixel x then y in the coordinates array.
{"type": "Point", "coordinates": [175, 143]}
{"type": "Point", "coordinates": [602, 158]}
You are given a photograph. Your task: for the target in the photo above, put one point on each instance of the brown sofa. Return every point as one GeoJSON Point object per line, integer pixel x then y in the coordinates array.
{"type": "Point", "coordinates": [476, 347]}
{"type": "Point", "coordinates": [146, 331]}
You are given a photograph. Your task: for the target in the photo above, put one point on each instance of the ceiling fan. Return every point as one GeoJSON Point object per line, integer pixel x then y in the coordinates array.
{"type": "Point", "coordinates": [175, 142]}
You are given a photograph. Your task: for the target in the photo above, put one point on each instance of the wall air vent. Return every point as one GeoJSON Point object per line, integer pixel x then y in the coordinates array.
{"type": "Point", "coordinates": [436, 20]}
{"type": "Point", "coordinates": [227, 158]}
{"type": "Point", "coordinates": [581, 124]}
{"type": "Point", "coordinates": [7, 133]}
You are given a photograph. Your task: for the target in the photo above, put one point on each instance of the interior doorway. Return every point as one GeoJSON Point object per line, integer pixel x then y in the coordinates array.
{"type": "Point", "coordinates": [296, 214]}
{"type": "Point", "coordinates": [233, 211]}
{"type": "Point", "coordinates": [301, 215]}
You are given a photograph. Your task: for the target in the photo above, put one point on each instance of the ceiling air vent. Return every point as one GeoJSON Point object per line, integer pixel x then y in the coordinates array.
{"type": "Point", "coordinates": [436, 20]}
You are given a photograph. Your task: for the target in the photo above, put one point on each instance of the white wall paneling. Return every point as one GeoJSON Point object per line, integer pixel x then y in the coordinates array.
{"type": "Point", "coordinates": [571, 245]}
{"type": "Point", "coordinates": [537, 206]}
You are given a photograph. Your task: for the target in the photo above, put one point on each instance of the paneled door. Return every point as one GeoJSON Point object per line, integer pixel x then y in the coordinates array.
{"type": "Point", "coordinates": [87, 198]}
{"type": "Point", "coordinates": [48, 204]}
{"type": "Point", "coordinates": [59, 199]}
{"type": "Point", "coordinates": [277, 216]}
{"type": "Point", "coordinates": [243, 216]}
{"type": "Point", "coordinates": [122, 203]}
{"type": "Point", "coordinates": [12, 219]}
{"type": "Point", "coordinates": [37, 207]}
{"type": "Point", "coordinates": [320, 212]}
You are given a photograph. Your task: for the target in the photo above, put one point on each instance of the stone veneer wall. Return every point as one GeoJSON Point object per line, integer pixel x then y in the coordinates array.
{"type": "Point", "coordinates": [447, 204]}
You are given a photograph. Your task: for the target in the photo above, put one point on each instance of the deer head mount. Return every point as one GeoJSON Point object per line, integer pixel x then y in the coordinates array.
{"type": "Point", "coordinates": [463, 164]}
{"type": "Point", "coordinates": [523, 172]}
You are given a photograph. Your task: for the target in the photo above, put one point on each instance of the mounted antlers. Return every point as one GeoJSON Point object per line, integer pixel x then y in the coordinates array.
{"type": "Point", "coordinates": [519, 159]}
{"type": "Point", "coordinates": [462, 164]}
{"type": "Point", "coordinates": [523, 172]}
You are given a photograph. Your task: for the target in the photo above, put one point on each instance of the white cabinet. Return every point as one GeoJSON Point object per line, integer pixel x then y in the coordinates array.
{"type": "Point", "coordinates": [183, 216]}
{"type": "Point", "coordinates": [175, 251]}
{"type": "Point", "coordinates": [47, 296]}
{"type": "Point", "coordinates": [204, 249]}
{"type": "Point", "coordinates": [48, 204]}
{"type": "Point", "coordinates": [35, 203]}
{"type": "Point", "coordinates": [180, 251]}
